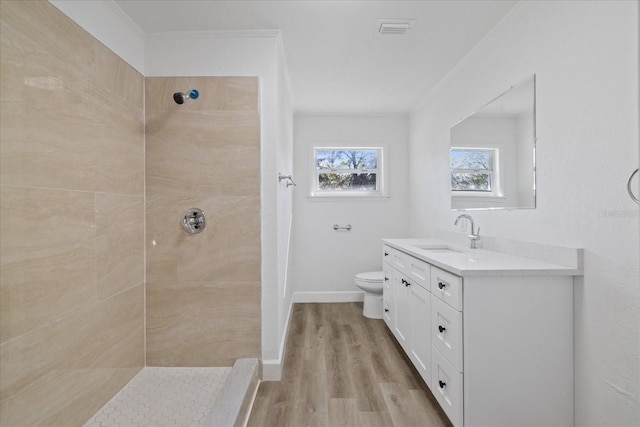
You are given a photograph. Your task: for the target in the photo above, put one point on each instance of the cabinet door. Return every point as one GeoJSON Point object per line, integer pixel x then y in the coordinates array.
{"type": "Point", "coordinates": [420, 341]}
{"type": "Point", "coordinates": [388, 309]}
{"type": "Point", "coordinates": [402, 317]}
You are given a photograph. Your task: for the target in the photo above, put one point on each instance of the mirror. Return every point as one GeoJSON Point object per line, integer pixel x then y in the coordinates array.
{"type": "Point", "coordinates": [492, 158]}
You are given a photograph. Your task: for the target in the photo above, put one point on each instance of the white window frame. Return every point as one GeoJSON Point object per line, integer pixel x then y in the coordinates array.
{"type": "Point", "coordinates": [494, 172]}
{"type": "Point", "coordinates": [317, 192]}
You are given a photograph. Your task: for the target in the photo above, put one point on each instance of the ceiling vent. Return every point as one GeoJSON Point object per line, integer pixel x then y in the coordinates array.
{"type": "Point", "coordinates": [395, 26]}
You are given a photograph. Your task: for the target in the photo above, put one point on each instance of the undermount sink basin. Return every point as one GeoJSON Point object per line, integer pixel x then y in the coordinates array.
{"type": "Point", "coordinates": [439, 249]}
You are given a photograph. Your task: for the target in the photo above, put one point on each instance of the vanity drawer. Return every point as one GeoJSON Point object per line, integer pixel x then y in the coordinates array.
{"type": "Point", "coordinates": [395, 258]}
{"type": "Point", "coordinates": [418, 272]}
{"type": "Point", "coordinates": [447, 386]}
{"type": "Point", "coordinates": [446, 332]}
{"type": "Point", "coordinates": [447, 287]}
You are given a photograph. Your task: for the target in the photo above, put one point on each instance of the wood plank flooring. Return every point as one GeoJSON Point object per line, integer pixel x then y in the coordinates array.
{"type": "Point", "coordinates": [342, 369]}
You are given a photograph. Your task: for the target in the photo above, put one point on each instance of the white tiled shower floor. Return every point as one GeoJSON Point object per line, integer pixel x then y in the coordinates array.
{"type": "Point", "coordinates": [163, 397]}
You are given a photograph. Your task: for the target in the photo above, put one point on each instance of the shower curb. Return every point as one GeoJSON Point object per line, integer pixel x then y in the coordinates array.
{"type": "Point", "coordinates": [236, 397]}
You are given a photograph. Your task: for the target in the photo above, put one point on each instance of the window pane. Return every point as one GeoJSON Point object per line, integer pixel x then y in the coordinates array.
{"type": "Point", "coordinates": [347, 181]}
{"type": "Point", "coordinates": [470, 181]}
{"type": "Point", "coordinates": [471, 159]}
{"type": "Point", "coordinates": [346, 159]}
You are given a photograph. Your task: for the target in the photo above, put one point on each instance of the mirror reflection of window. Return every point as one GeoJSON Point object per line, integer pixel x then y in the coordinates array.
{"type": "Point", "coordinates": [473, 169]}
{"type": "Point", "coordinates": [493, 153]}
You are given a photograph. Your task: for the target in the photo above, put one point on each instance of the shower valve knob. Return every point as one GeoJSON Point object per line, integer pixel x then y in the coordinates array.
{"type": "Point", "coordinates": [194, 221]}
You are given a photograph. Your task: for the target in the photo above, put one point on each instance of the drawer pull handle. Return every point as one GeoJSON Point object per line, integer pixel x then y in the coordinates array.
{"type": "Point", "coordinates": [441, 384]}
{"type": "Point", "coordinates": [386, 254]}
{"type": "Point", "coordinates": [404, 282]}
{"type": "Point", "coordinates": [386, 310]}
{"type": "Point", "coordinates": [441, 285]}
{"type": "Point", "coordinates": [386, 279]}
{"type": "Point", "coordinates": [441, 328]}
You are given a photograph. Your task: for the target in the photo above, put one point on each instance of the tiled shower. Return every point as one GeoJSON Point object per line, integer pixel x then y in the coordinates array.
{"type": "Point", "coordinates": [203, 290]}
{"type": "Point", "coordinates": [78, 186]}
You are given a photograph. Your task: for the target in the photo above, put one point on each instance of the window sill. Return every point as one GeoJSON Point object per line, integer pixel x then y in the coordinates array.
{"type": "Point", "coordinates": [348, 198]}
{"type": "Point", "coordinates": [477, 195]}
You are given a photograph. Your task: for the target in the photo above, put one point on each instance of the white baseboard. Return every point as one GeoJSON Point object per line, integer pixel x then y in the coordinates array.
{"type": "Point", "coordinates": [272, 369]}
{"type": "Point", "coordinates": [335, 296]}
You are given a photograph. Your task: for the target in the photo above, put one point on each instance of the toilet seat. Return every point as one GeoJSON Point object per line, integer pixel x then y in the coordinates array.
{"type": "Point", "coordinates": [370, 276]}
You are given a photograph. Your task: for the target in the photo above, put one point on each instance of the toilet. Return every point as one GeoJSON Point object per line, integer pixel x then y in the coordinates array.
{"type": "Point", "coordinates": [371, 283]}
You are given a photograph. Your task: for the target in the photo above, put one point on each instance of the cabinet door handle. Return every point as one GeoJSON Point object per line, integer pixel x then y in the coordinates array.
{"type": "Point", "coordinates": [441, 285]}
{"type": "Point", "coordinates": [441, 328]}
{"type": "Point", "coordinates": [441, 384]}
{"type": "Point", "coordinates": [386, 310]}
{"type": "Point", "coordinates": [386, 279]}
{"type": "Point", "coordinates": [404, 282]}
{"type": "Point", "coordinates": [386, 254]}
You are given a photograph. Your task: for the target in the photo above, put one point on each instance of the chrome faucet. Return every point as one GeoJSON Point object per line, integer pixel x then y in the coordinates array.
{"type": "Point", "coordinates": [473, 237]}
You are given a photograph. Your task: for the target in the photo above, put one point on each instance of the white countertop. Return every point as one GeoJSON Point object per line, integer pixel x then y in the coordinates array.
{"type": "Point", "coordinates": [478, 262]}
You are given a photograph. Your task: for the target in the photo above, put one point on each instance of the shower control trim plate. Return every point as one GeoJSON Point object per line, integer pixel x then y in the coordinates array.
{"type": "Point", "coordinates": [194, 221]}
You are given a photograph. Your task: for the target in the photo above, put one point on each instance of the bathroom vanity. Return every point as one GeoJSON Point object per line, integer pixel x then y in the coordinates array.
{"type": "Point", "coordinates": [491, 333]}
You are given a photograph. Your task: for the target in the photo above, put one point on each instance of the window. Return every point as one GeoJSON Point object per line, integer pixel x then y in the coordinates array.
{"type": "Point", "coordinates": [347, 171]}
{"type": "Point", "coordinates": [474, 170]}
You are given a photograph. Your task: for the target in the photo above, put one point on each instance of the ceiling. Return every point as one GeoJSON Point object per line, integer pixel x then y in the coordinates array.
{"type": "Point", "coordinates": [337, 60]}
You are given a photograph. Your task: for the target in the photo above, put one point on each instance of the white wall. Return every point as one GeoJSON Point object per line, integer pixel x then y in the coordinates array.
{"type": "Point", "coordinates": [324, 260]}
{"type": "Point", "coordinates": [284, 215]}
{"type": "Point", "coordinates": [585, 56]}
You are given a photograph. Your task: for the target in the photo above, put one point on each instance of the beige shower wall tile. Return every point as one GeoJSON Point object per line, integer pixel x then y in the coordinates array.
{"type": "Point", "coordinates": [202, 323]}
{"type": "Point", "coordinates": [41, 148]}
{"type": "Point", "coordinates": [165, 234]}
{"type": "Point", "coordinates": [203, 290]}
{"type": "Point", "coordinates": [119, 143]}
{"type": "Point", "coordinates": [44, 62]}
{"type": "Point", "coordinates": [227, 249]}
{"type": "Point", "coordinates": [65, 123]}
{"type": "Point", "coordinates": [122, 83]}
{"type": "Point", "coordinates": [220, 154]}
{"type": "Point", "coordinates": [48, 256]}
{"type": "Point", "coordinates": [216, 93]}
{"type": "Point", "coordinates": [230, 244]}
{"type": "Point", "coordinates": [119, 243]}
{"type": "Point", "coordinates": [119, 155]}
{"type": "Point", "coordinates": [61, 374]}
{"type": "Point", "coordinates": [38, 38]}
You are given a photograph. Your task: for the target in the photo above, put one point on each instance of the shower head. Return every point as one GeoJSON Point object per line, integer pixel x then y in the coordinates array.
{"type": "Point", "coordinates": [180, 97]}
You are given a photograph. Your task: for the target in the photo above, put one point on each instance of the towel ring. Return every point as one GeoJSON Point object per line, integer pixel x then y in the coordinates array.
{"type": "Point", "coordinates": [635, 199]}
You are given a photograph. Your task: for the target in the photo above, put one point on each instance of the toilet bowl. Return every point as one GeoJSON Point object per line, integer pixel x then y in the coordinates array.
{"type": "Point", "coordinates": [371, 283]}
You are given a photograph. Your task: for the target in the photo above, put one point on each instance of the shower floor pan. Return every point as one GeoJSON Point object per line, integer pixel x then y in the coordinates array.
{"type": "Point", "coordinates": [182, 397]}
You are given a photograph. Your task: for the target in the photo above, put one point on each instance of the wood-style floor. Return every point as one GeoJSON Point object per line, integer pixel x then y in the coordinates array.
{"type": "Point", "coordinates": [342, 369]}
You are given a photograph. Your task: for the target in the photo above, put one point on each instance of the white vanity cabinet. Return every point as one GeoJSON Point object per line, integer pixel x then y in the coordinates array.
{"type": "Point", "coordinates": [494, 346]}
{"type": "Point", "coordinates": [408, 300]}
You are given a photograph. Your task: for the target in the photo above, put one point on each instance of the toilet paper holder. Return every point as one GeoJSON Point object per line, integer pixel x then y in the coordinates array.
{"type": "Point", "coordinates": [342, 227]}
